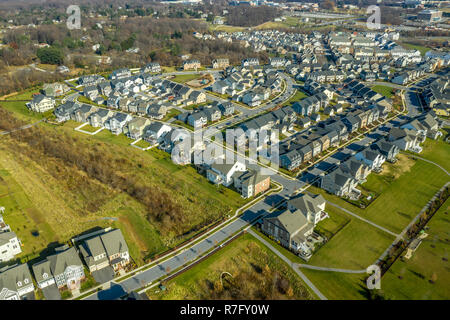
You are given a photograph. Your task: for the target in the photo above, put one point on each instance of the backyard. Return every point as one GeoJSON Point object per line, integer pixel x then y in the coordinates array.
{"type": "Point", "coordinates": [402, 195]}
{"type": "Point", "coordinates": [386, 91]}
{"type": "Point", "coordinates": [256, 273]}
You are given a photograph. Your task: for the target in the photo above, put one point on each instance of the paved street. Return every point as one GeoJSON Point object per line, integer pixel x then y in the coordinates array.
{"type": "Point", "coordinates": [191, 254]}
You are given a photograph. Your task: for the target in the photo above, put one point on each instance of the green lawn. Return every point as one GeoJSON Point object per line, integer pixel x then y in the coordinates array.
{"type": "Point", "coordinates": [401, 199]}
{"type": "Point", "coordinates": [25, 95]}
{"type": "Point", "coordinates": [437, 151]}
{"type": "Point", "coordinates": [89, 128]}
{"type": "Point", "coordinates": [183, 78]}
{"type": "Point", "coordinates": [356, 246]}
{"type": "Point", "coordinates": [338, 286]}
{"type": "Point", "coordinates": [386, 91]}
{"type": "Point", "coordinates": [243, 257]}
{"type": "Point", "coordinates": [411, 46]}
{"type": "Point", "coordinates": [203, 202]}
{"type": "Point", "coordinates": [142, 144]}
{"type": "Point", "coordinates": [171, 114]}
{"type": "Point", "coordinates": [22, 112]}
{"type": "Point", "coordinates": [24, 218]}
{"type": "Point", "coordinates": [299, 95]}
{"type": "Point", "coordinates": [410, 279]}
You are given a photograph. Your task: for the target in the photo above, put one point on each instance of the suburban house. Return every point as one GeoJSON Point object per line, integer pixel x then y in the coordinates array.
{"type": "Point", "coordinates": [250, 62]}
{"type": "Point", "coordinates": [117, 122]}
{"type": "Point", "coordinates": [152, 67]}
{"type": "Point", "coordinates": [373, 159]}
{"type": "Point", "coordinates": [9, 246]}
{"type": "Point", "coordinates": [220, 63]}
{"type": "Point", "coordinates": [55, 89]}
{"type": "Point", "coordinates": [135, 128]}
{"type": "Point", "coordinates": [339, 183]}
{"type": "Point", "coordinates": [223, 173]}
{"type": "Point", "coordinates": [16, 283]}
{"type": "Point", "coordinates": [106, 249]}
{"type": "Point", "coordinates": [197, 119]}
{"type": "Point", "coordinates": [292, 226]}
{"type": "Point", "coordinates": [64, 268]}
{"type": "Point", "coordinates": [99, 118]}
{"type": "Point", "coordinates": [41, 103]}
{"type": "Point", "coordinates": [387, 149]}
{"type": "Point", "coordinates": [83, 113]}
{"type": "Point", "coordinates": [155, 131]}
{"type": "Point", "coordinates": [251, 183]}
{"type": "Point", "coordinates": [120, 73]}
{"type": "Point", "coordinates": [9, 243]}
{"type": "Point", "coordinates": [191, 64]}
{"type": "Point", "coordinates": [405, 139]}
{"type": "Point", "coordinates": [65, 111]}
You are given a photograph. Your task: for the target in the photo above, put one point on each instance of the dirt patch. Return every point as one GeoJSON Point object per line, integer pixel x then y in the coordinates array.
{"type": "Point", "coordinates": [201, 82]}
{"type": "Point", "coordinates": [403, 165]}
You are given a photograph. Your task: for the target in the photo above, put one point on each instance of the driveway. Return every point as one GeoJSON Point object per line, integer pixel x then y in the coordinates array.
{"type": "Point", "coordinates": [103, 275]}
{"type": "Point", "coordinates": [51, 292]}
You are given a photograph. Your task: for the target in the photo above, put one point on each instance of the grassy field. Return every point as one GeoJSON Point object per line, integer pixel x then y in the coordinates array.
{"type": "Point", "coordinates": [22, 112]}
{"type": "Point", "coordinates": [171, 114]}
{"type": "Point", "coordinates": [337, 285]}
{"type": "Point", "coordinates": [225, 28]}
{"type": "Point", "coordinates": [247, 260]}
{"type": "Point", "coordinates": [386, 91]}
{"type": "Point", "coordinates": [62, 206]}
{"type": "Point", "coordinates": [353, 244]}
{"type": "Point", "coordinates": [411, 46]}
{"type": "Point", "coordinates": [299, 95]}
{"type": "Point", "coordinates": [25, 219]}
{"type": "Point", "coordinates": [437, 151]}
{"type": "Point", "coordinates": [183, 78]}
{"type": "Point", "coordinates": [401, 198]}
{"type": "Point", "coordinates": [426, 274]}
{"type": "Point", "coordinates": [142, 144]}
{"type": "Point", "coordinates": [25, 95]}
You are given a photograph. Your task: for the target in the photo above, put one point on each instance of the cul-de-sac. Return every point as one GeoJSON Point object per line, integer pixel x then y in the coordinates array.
{"type": "Point", "coordinates": [229, 150]}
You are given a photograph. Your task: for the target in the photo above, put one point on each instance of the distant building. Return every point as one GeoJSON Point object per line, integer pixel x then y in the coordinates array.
{"type": "Point", "coordinates": [191, 64]}
{"type": "Point", "coordinates": [430, 15]}
{"type": "Point", "coordinates": [220, 63]}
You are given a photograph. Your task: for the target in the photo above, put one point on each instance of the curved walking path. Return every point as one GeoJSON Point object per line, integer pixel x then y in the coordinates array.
{"type": "Point", "coordinates": [292, 265]}
{"type": "Point", "coordinates": [2, 133]}
{"type": "Point", "coordinates": [361, 218]}
{"type": "Point", "coordinates": [429, 161]}
{"type": "Point", "coordinates": [307, 266]}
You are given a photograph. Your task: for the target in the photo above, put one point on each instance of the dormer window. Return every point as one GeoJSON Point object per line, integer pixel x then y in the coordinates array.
{"type": "Point", "coordinates": [26, 281]}
{"type": "Point", "coordinates": [19, 283]}
{"type": "Point", "coordinates": [45, 275]}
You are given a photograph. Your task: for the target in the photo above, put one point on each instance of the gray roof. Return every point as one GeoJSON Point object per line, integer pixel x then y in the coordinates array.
{"type": "Point", "coordinates": [14, 278]}
{"type": "Point", "coordinates": [292, 221]}
{"type": "Point", "coordinates": [58, 262]}
{"type": "Point", "coordinates": [114, 242]}
{"type": "Point", "coordinates": [308, 203]}
{"type": "Point", "coordinates": [6, 236]}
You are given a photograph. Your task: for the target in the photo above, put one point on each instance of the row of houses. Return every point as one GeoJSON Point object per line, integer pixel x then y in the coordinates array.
{"type": "Point", "coordinates": [64, 269]}
{"type": "Point", "coordinates": [302, 148]}
{"type": "Point", "coordinates": [208, 113]}
{"type": "Point", "coordinates": [116, 122]}
{"type": "Point", "coordinates": [344, 172]}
